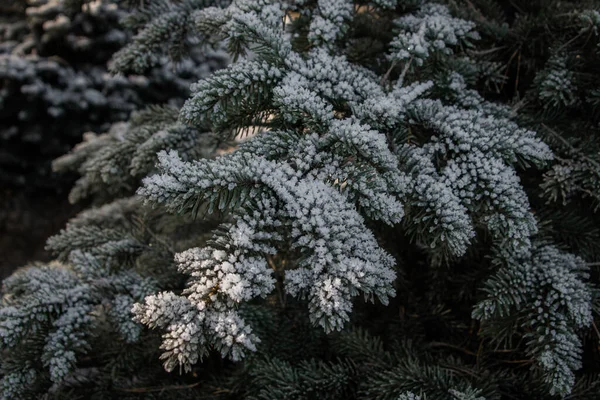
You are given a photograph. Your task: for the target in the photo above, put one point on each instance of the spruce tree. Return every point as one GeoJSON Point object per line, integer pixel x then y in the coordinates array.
{"type": "Point", "coordinates": [54, 83]}
{"type": "Point", "coordinates": [369, 202]}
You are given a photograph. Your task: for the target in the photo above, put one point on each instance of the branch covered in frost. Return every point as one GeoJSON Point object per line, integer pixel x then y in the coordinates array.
{"type": "Point", "coordinates": [546, 292]}
{"type": "Point", "coordinates": [431, 29]}
{"type": "Point", "coordinates": [340, 256]}
{"type": "Point", "coordinates": [61, 305]}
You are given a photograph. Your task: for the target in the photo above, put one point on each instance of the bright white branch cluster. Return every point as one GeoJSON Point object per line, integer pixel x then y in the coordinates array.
{"type": "Point", "coordinates": [305, 188]}
{"type": "Point", "coordinates": [340, 255]}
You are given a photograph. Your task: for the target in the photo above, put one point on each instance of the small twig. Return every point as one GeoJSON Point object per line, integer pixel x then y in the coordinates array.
{"type": "Point", "coordinates": [459, 369]}
{"type": "Point", "coordinates": [518, 105]}
{"type": "Point", "coordinates": [479, 351]}
{"type": "Point", "coordinates": [485, 52]}
{"type": "Point", "coordinates": [594, 264]}
{"type": "Point", "coordinates": [508, 65]}
{"type": "Point", "coordinates": [557, 136]}
{"type": "Point", "coordinates": [570, 146]}
{"type": "Point", "coordinates": [158, 388]}
{"type": "Point", "coordinates": [596, 329]}
{"type": "Point", "coordinates": [504, 351]}
{"type": "Point", "coordinates": [451, 346]}
{"type": "Point", "coordinates": [388, 72]}
{"type": "Point", "coordinates": [404, 71]}
{"type": "Point", "coordinates": [574, 38]}
{"type": "Point", "coordinates": [524, 362]}
{"type": "Point", "coordinates": [518, 72]}
{"type": "Point", "coordinates": [587, 39]}
{"type": "Point", "coordinates": [512, 3]}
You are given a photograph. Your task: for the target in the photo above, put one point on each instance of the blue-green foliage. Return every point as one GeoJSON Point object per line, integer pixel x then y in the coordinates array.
{"type": "Point", "coordinates": [392, 179]}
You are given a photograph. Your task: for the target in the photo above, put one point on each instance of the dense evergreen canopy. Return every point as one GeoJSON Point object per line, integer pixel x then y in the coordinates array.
{"type": "Point", "coordinates": [387, 199]}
